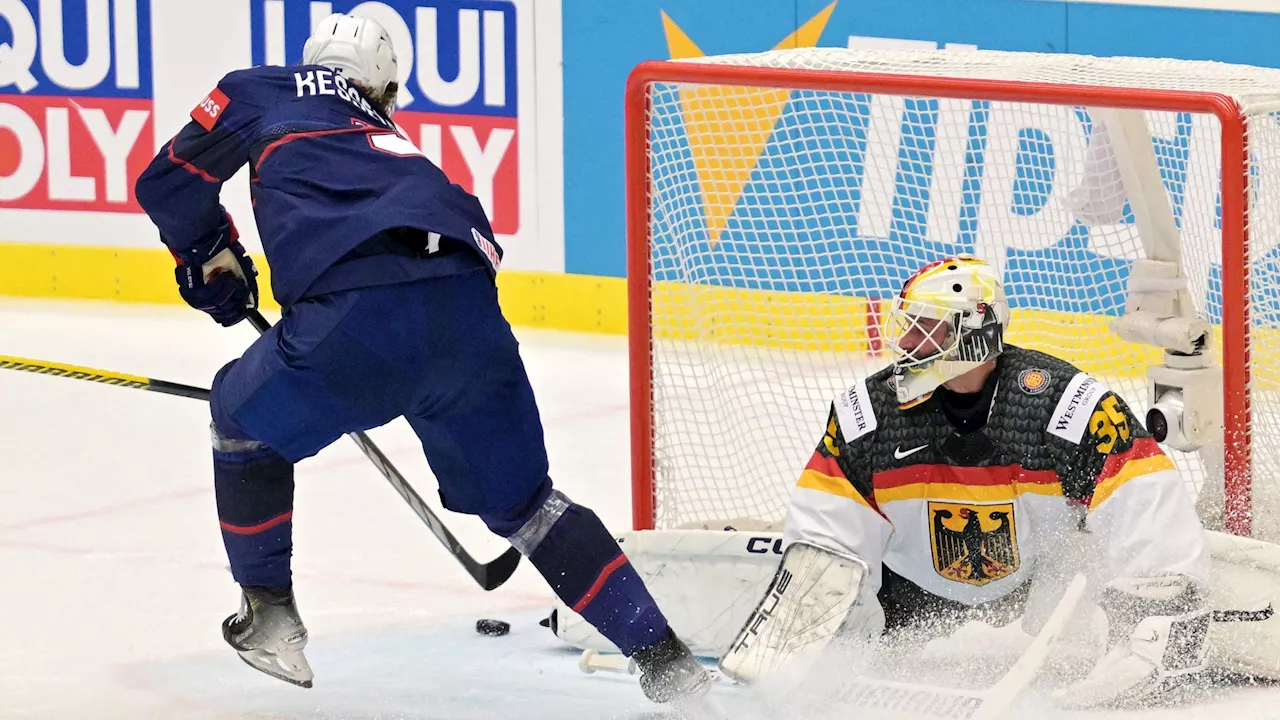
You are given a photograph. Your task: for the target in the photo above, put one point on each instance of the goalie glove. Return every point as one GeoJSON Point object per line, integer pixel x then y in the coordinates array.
{"type": "Point", "coordinates": [1157, 630]}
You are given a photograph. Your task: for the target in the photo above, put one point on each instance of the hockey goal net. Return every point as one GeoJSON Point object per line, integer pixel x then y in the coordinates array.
{"type": "Point", "coordinates": [776, 202]}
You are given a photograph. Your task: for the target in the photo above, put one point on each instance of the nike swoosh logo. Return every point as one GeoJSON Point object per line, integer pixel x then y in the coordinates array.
{"type": "Point", "coordinates": [898, 454]}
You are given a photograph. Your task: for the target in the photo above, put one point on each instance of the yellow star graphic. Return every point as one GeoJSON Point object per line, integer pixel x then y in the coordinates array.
{"type": "Point", "coordinates": [728, 127]}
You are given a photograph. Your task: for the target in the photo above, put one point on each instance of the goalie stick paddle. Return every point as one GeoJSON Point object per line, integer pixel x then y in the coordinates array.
{"type": "Point", "coordinates": [914, 699]}
{"type": "Point", "coordinates": [993, 703]}
{"type": "Point", "coordinates": [489, 576]}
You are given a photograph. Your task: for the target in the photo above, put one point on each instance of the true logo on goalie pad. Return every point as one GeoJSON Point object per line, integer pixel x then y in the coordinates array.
{"type": "Point", "coordinates": [764, 612]}
{"type": "Point", "coordinates": [973, 544]}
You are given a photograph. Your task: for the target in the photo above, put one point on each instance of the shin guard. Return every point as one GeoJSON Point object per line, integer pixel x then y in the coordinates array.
{"type": "Point", "coordinates": [254, 489]}
{"type": "Point", "coordinates": [582, 562]}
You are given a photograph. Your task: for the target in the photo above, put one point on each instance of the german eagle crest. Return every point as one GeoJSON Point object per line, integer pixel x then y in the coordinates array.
{"type": "Point", "coordinates": [973, 544]}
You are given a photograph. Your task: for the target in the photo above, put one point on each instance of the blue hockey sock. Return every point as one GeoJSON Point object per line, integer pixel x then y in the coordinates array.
{"type": "Point", "coordinates": [254, 489]}
{"type": "Point", "coordinates": [582, 562]}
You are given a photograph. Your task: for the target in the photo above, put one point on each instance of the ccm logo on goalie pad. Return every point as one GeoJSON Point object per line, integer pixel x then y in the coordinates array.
{"type": "Point", "coordinates": [765, 545]}
{"type": "Point", "coordinates": [1071, 416]}
{"type": "Point", "coordinates": [764, 612]}
{"type": "Point", "coordinates": [853, 410]}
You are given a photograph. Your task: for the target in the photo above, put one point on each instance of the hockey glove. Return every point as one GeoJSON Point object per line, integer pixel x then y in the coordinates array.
{"type": "Point", "coordinates": [221, 281]}
{"type": "Point", "coordinates": [1158, 629]}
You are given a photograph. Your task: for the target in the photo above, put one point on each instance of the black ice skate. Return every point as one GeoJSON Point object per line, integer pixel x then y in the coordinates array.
{"type": "Point", "coordinates": [269, 635]}
{"type": "Point", "coordinates": [669, 671]}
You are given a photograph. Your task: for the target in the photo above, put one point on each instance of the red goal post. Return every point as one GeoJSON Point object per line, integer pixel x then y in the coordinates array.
{"type": "Point", "coordinates": [648, 491]}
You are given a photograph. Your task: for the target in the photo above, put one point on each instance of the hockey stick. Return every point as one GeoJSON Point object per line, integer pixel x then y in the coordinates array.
{"type": "Point", "coordinates": [933, 701]}
{"type": "Point", "coordinates": [106, 377]}
{"type": "Point", "coordinates": [489, 576]}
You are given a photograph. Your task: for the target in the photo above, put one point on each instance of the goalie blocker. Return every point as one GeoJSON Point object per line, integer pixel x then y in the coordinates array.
{"type": "Point", "coordinates": [816, 594]}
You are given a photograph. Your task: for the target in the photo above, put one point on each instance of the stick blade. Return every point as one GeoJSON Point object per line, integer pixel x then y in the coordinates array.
{"type": "Point", "coordinates": [493, 574]}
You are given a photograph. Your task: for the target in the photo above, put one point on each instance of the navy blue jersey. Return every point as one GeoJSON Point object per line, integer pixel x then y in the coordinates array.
{"type": "Point", "coordinates": [328, 173]}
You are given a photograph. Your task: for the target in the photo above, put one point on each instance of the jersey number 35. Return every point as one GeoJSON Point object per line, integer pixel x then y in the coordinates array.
{"type": "Point", "coordinates": [1108, 424]}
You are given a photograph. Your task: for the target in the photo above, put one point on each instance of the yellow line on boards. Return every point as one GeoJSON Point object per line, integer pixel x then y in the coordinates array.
{"type": "Point", "coordinates": [771, 321]}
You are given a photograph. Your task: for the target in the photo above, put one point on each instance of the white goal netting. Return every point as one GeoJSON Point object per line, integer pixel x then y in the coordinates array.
{"type": "Point", "coordinates": [781, 221]}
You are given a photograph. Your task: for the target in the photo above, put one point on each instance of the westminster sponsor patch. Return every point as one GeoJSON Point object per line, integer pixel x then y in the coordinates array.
{"type": "Point", "coordinates": [1071, 416]}
{"type": "Point", "coordinates": [853, 410]}
{"type": "Point", "coordinates": [1034, 381]}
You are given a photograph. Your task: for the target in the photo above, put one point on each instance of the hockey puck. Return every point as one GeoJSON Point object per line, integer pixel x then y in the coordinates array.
{"type": "Point", "coordinates": [493, 628]}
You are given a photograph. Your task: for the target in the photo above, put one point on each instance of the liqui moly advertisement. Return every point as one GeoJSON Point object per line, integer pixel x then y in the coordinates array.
{"type": "Point", "coordinates": [91, 89]}
{"type": "Point", "coordinates": [76, 103]}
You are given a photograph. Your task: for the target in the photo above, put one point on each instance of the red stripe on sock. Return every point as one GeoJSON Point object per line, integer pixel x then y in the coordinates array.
{"type": "Point", "coordinates": [255, 529]}
{"type": "Point", "coordinates": [600, 581]}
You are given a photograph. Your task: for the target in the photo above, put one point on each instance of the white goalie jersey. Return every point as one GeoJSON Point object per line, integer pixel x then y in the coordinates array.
{"type": "Point", "coordinates": [968, 517]}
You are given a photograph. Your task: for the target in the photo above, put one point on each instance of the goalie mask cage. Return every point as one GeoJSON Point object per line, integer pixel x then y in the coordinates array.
{"type": "Point", "coordinates": [777, 201]}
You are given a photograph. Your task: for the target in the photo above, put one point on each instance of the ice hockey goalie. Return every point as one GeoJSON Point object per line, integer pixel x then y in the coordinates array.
{"type": "Point", "coordinates": [952, 472]}
{"type": "Point", "coordinates": [958, 473]}
{"type": "Point", "coordinates": [946, 482]}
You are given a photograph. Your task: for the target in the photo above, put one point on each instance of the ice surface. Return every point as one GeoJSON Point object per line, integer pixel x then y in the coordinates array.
{"type": "Point", "coordinates": [114, 578]}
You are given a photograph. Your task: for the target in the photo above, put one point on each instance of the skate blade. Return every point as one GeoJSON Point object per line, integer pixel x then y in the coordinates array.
{"type": "Point", "coordinates": [291, 667]}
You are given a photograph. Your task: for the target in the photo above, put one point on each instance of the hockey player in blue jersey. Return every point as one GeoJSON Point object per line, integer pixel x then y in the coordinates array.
{"type": "Point", "coordinates": [385, 271]}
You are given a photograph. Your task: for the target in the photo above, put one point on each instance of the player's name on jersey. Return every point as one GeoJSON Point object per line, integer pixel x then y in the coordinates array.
{"type": "Point", "coordinates": [327, 82]}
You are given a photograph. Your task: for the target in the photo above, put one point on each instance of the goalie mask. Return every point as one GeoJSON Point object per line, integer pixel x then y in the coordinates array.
{"type": "Point", "coordinates": [949, 319]}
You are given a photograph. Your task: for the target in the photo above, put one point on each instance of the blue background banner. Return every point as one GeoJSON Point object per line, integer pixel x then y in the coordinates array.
{"type": "Point", "coordinates": [130, 46]}
{"type": "Point", "coordinates": [447, 44]}
{"type": "Point", "coordinates": [603, 42]}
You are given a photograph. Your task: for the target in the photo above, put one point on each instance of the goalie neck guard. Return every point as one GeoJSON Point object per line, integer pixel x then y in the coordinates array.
{"type": "Point", "coordinates": [948, 320]}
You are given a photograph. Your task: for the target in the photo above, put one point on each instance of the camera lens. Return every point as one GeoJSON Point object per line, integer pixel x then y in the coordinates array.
{"type": "Point", "coordinates": [1157, 424]}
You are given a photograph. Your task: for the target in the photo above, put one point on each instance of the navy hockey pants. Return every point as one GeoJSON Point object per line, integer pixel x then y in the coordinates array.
{"type": "Point", "coordinates": [437, 351]}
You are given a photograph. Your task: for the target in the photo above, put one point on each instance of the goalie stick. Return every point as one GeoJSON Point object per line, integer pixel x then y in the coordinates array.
{"type": "Point", "coordinates": [489, 576]}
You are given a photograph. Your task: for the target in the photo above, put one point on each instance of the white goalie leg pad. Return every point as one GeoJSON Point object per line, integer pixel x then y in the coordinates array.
{"type": "Point", "coordinates": [706, 582]}
{"type": "Point", "coordinates": [1245, 597]}
{"type": "Point", "coordinates": [815, 594]}
{"type": "Point", "coordinates": [1161, 632]}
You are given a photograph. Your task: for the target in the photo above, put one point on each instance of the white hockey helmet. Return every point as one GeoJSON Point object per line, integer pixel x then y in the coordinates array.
{"type": "Point", "coordinates": [357, 47]}
{"type": "Point", "coordinates": [949, 319]}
